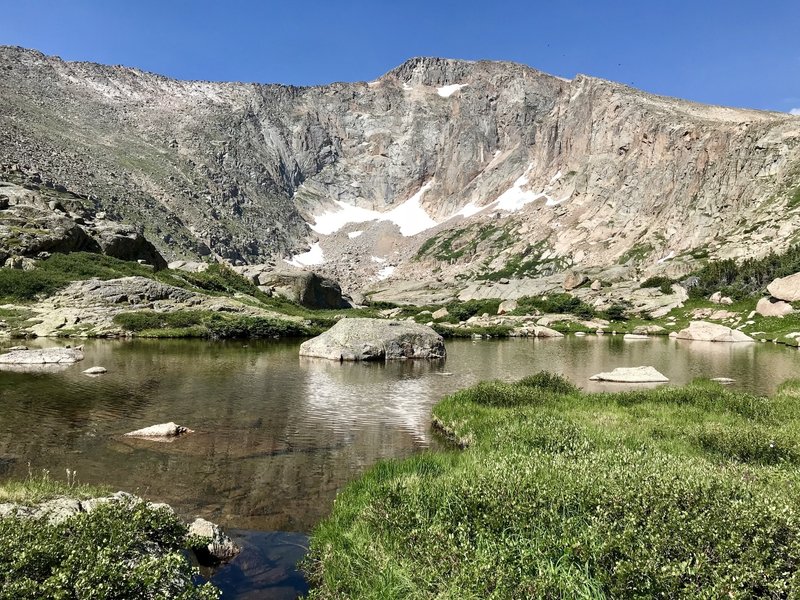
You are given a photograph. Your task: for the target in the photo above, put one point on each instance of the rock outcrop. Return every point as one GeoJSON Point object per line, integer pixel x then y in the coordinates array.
{"type": "Point", "coordinates": [375, 339]}
{"type": "Point", "coordinates": [631, 375]}
{"type": "Point", "coordinates": [786, 288]}
{"type": "Point", "coordinates": [703, 331]}
{"type": "Point", "coordinates": [219, 546]}
{"type": "Point", "coordinates": [304, 287]}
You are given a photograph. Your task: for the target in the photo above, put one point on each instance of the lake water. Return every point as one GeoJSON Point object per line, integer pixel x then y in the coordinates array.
{"type": "Point", "coordinates": [276, 436]}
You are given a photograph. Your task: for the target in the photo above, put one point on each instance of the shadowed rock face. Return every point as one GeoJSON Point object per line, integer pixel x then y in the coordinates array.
{"type": "Point", "coordinates": [375, 339]}
{"type": "Point", "coordinates": [606, 173]}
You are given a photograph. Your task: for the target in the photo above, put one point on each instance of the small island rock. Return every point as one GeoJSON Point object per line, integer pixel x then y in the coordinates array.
{"type": "Point", "coordinates": [375, 339]}
{"type": "Point", "coordinates": [162, 430]}
{"type": "Point", "coordinates": [43, 356]}
{"type": "Point", "coordinates": [631, 375]}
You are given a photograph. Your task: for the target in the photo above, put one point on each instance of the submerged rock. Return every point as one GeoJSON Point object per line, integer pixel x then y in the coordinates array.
{"type": "Point", "coordinates": [375, 339]}
{"type": "Point", "coordinates": [162, 430]}
{"type": "Point", "coordinates": [219, 547]}
{"type": "Point", "coordinates": [42, 356]}
{"type": "Point", "coordinates": [635, 336]}
{"type": "Point", "coordinates": [704, 331]}
{"type": "Point", "coordinates": [631, 375]}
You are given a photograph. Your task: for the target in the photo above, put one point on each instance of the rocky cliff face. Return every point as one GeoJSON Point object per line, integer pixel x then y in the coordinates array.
{"type": "Point", "coordinates": [440, 168]}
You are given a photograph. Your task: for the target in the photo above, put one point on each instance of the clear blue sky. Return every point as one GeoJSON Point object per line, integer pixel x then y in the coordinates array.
{"type": "Point", "coordinates": [735, 52]}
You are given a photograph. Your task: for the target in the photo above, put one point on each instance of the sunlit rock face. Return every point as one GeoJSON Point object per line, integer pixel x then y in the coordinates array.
{"type": "Point", "coordinates": [497, 160]}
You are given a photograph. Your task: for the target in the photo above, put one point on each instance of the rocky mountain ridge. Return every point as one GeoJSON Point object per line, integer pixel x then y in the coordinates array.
{"type": "Point", "coordinates": [439, 170]}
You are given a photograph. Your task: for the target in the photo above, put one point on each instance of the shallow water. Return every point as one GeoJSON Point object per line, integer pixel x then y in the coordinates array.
{"type": "Point", "coordinates": [277, 436]}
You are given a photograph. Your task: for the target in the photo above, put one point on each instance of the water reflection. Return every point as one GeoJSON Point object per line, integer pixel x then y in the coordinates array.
{"type": "Point", "coordinates": [276, 436]}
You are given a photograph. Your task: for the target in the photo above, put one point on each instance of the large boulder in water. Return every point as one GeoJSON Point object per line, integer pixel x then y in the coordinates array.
{"type": "Point", "coordinates": [631, 375]}
{"type": "Point", "coordinates": [704, 331]}
{"type": "Point", "coordinates": [786, 288]}
{"type": "Point", "coordinates": [375, 339]}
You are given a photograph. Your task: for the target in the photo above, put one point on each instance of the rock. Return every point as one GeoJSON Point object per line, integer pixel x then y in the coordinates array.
{"type": "Point", "coordinates": [16, 348]}
{"type": "Point", "coordinates": [635, 336]}
{"type": "Point", "coordinates": [631, 375]}
{"type": "Point", "coordinates": [375, 339]}
{"type": "Point", "coordinates": [163, 430]}
{"type": "Point", "coordinates": [95, 370]}
{"type": "Point", "coordinates": [219, 547]}
{"type": "Point", "coordinates": [304, 287]}
{"type": "Point", "coordinates": [580, 334]}
{"type": "Point", "coordinates": [718, 298]}
{"type": "Point", "coordinates": [648, 329]}
{"type": "Point", "coordinates": [596, 285]}
{"type": "Point", "coordinates": [711, 332]}
{"type": "Point", "coordinates": [44, 356]}
{"type": "Point", "coordinates": [786, 288]}
{"type": "Point", "coordinates": [126, 243]}
{"type": "Point", "coordinates": [540, 331]}
{"type": "Point", "coordinates": [506, 306]}
{"type": "Point", "coordinates": [573, 279]}
{"type": "Point", "coordinates": [441, 313]}
{"type": "Point", "coordinates": [723, 380]}
{"type": "Point", "coordinates": [768, 307]}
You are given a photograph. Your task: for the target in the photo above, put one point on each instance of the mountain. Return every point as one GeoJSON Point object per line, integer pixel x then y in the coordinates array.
{"type": "Point", "coordinates": [440, 169]}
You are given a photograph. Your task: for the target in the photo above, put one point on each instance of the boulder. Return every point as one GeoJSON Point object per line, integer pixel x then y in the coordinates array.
{"type": "Point", "coordinates": [375, 339]}
{"type": "Point", "coordinates": [126, 243]}
{"type": "Point", "coordinates": [304, 287]}
{"type": "Point", "coordinates": [162, 430]}
{"type": "Point", "coordinates": [219, 546]}
{"type": "Point", "coordinates": [768, 307]}
{"type": "Point", "coordinates": [573, 279]}
{"type": "Point", "coordinates": [786, 288]}
{"type": "Point", "coordinates": [597, 285]}
{"type": "Point", "coordinates": [506, 306]}
{"type": "Point", "coordinates": [42, 356]}
{"type": "Point", "coordinates": [631, 375]}
{"type": "Point", "coordinates": [648, 329]}
{"type": "Point", "coordinates": [718, 298]}
{"type": "Point", "coordinates": [95, 370]}
{"type": "Point", "coordinates": [441, 313]}
{"type": "Point", "coordinates": [712, 332]}
{"type": "Point", "coordinates": [540, 331]}
{"type": "Point", "coordinates": [635, 336]}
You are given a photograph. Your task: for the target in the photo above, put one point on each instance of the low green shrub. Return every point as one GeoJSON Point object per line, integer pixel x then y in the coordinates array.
{"type": "Point", "coordinates": [550, 382]}
{"type": "Point", "coordinates": [116, 551]}
{"type": "Point", "coordinates": [664, 284]}
{"type": "Point", "coordinates": [198, 323]}
{"type": "Point", "coordinates": [554, 303]}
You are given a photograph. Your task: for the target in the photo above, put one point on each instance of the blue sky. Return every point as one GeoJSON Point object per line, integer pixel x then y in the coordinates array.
{"type": "Point", "coordinates": [736, 53]}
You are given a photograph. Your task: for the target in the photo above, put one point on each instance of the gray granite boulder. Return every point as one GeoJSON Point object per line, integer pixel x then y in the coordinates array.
{"type": "Point", "coordinates": [703, 331]}
{"type": "Point", "coordinates": [631, 375]}
{"type": "Point", "coordinates": [219, 546]}
{"type": "Point", "coordinates": [375, 339]}
{"type": "Point", "coordinates": [42, 356]}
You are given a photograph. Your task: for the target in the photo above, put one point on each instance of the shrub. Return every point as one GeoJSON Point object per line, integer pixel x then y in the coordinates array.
{"type": "Point", "coordinates": [554, 303]}
{"type": "Point", "coordinates": [616, 312]}
{"type": "Point", "coordinates": [117, 551]}
{"type": "Point", "coordinates": [550, 382]}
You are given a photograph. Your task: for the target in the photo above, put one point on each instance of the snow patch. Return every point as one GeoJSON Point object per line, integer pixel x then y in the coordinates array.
{"type": "Point", "coordinates": [448, 90]}
{"type": "Point", "coordinates": [555, 177]}
{"type": "Point", "coordinates": [553, 202]}
{"type": "Point", "coordinates": [407, 87]}
{"type": "Point", "coordinates": [374, 83]}
{"type": "Point", "coordinates": [377, 259]}
{"type": "Point", "coordinates": [514, 198]}
{"type": "Point", "coordinates": [669, 256]}
{"type": "Point", "coordinates": [470, 209]}
{"type": "Point", "coordinates": [386, 272]}
{"type": "Point", "coordinates": [409, 216]}
{"type": "Point", "coordinates": [354, 234]}
{"type": "Point", "coordinates": [314, 256]}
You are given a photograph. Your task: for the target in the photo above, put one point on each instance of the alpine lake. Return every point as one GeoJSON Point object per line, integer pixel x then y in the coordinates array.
{"type": "Point", "coordinates": [276, 436]}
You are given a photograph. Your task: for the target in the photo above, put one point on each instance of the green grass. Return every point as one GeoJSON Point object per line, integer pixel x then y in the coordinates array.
{"type": "Point", "coordinates": [207, 324]}
{"type": "Point", "coordinates": [670, 493]}
{"type": "Point", "coordinates": [40, 487]}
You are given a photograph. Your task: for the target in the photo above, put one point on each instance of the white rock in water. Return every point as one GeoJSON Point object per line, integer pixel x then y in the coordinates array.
{"type": "Point", "coordinates": [95, 370]}
{"type": "Point", "coordinates": [42, 356]}
{"type": "Point", "coordinates": [703, 331]}
{"type": "Point", "coordinates": [635, 336]}
{"type": "Point", "coordinates": [631, 375]}
{"type": "Point", "coordinates": [540, 331]}
{"type": "Point", "coordinates": [162, 430]}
